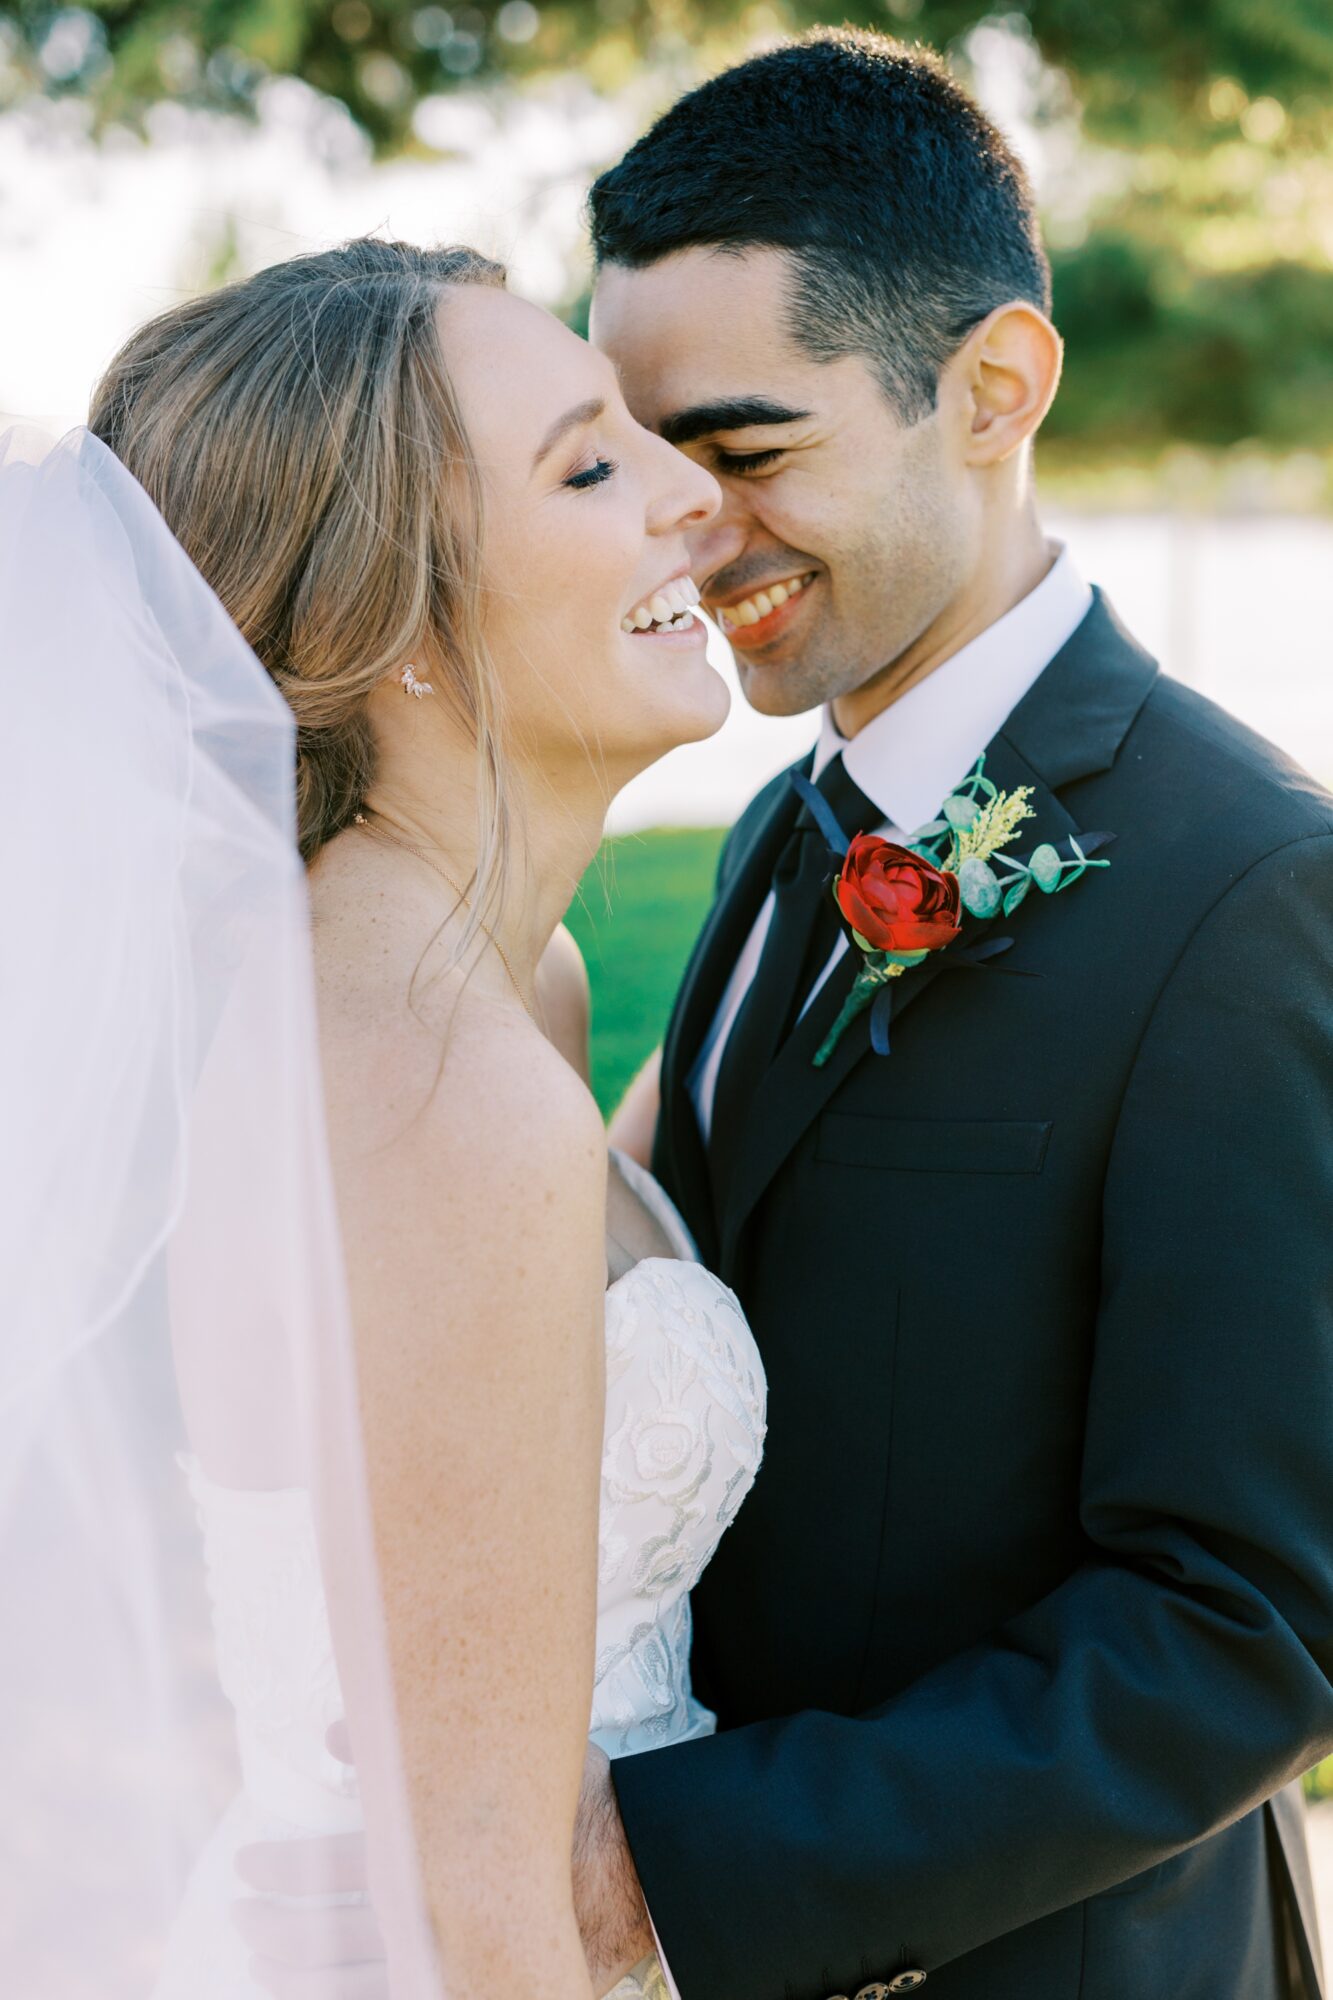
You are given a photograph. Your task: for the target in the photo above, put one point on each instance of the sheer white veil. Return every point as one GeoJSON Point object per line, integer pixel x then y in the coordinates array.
{"type": "Point", "coordinates": [171, 1281]}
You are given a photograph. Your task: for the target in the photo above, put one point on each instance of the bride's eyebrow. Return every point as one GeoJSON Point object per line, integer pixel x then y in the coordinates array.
{"type": "Point", "coordinates": [582, 413]}
{"type": "Point", "coordinates": [735, 413]}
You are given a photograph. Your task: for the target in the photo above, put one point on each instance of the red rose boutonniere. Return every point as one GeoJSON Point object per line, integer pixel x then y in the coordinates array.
{"type": "Point", "coordinates": [902, 903]}
{"type": "Point", "coordinates": [895, 900]}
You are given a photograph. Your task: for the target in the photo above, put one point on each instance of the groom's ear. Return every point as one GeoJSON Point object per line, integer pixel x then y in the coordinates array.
{"type": "Point", "coordinates": [1006, 375]}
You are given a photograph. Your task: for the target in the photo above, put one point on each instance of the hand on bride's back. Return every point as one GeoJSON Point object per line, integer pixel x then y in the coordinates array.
{"type": "Point", "coordinates": [303, 1954]}
{"type": "Point", "coordinates": [291, 1952]}
{"type": "Point", "coordinates": [294, 1949]}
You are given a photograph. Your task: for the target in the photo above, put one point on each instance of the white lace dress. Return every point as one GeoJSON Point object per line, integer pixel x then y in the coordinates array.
{"type": "Point", "coordinates": [685, 1402]}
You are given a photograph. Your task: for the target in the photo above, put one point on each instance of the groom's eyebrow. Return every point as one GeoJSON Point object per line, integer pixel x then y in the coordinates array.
{"type": "Point", "coordinates": [732, 413]}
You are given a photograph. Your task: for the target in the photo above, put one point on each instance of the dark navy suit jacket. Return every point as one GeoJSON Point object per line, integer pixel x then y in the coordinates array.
{"type": "Point", "coordinates": [1030, 1611]}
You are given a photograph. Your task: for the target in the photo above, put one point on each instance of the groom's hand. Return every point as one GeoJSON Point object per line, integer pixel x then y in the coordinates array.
{"type": "Point", "coordinates": [303, 1954]}
{"type": "Point", "coordinates": [322, 1954]}
{"type": "Point", "coordinates": [612, 1914]}
{"type": "Point", "coordinates": [311, 1954]}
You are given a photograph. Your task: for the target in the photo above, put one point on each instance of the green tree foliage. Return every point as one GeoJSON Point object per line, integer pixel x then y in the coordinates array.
{"type": "Point", "coordinates": [1158, 351]}
{"type": "Point", "coordinates": [1140, 69]}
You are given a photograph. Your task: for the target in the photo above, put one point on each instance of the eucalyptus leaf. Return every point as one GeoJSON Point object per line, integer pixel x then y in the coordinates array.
{"type": "Point", "coordinates": [960, 812]}
{"type": "Point", "coordinates": [864, 943]}
{"type": "Point", "coordinates": [1045, 868]}
{"type": "Point", "coordinates": [1016, 893]}
{"type": "Point", "coordinates": [932, 830]}
{"type": "Point", "coordinates": [907, 959]}
{"type": "Point", "coordinates": [979, 887]}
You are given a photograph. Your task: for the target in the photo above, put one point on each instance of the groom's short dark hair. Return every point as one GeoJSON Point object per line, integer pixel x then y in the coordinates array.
{"type": "Point", "coordinates": [908, 216]}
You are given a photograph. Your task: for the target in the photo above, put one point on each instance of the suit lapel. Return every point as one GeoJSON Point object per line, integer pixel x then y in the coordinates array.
{"type": "Point", "coordinates": [1069, 725]}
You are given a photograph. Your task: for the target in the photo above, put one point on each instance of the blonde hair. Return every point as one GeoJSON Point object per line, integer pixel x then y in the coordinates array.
{"type": "Point", "coordinates": [299, 433]}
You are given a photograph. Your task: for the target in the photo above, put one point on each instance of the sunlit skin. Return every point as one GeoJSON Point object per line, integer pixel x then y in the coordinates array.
{"type": "Point", "coordinates": [915, 537]}
{"type": "Point", "coordinates": [580, 528]}
{"type": "Point", "coordinates": [586, 516]}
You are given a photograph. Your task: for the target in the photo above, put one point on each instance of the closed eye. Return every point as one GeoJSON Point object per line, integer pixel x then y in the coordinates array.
{"type": "Point", "coordinates": [592, 475]}
{"type": "Point", "coordinates": [746, 461]}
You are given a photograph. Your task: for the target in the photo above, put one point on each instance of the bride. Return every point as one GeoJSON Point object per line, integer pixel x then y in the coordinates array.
{"type": "Point", "coordinates": [425, 507]}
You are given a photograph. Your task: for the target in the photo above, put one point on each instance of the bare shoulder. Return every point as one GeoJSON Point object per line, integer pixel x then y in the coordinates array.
{"type": "Point", "coordinates": [469, 1109]}
{"type": "Point", "coordinates": [562, 974]}
{"type": "Point", "coordinates": [565, 999]}
{"type": "Point", "coordinates": [521, 1115]}
{"type": "Point", "coordinates": [443, 1101]}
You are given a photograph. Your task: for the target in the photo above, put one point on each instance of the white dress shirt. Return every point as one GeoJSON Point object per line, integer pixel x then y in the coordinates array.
{"type": "Point", "coordinates": [912, 755]}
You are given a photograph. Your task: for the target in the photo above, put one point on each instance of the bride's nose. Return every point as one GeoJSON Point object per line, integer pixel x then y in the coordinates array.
{"type": "Point", "coordinates": [688, 495]}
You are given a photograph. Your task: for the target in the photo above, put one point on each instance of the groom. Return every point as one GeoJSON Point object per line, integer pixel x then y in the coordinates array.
{"type": "Point", "coordinates": [1027, 1627]}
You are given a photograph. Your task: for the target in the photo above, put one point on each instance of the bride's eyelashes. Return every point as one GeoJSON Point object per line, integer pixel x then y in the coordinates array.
{"type": "Point", "coordinates": [745, 461]}
{"type": "Point", "coordinates": [592, 475]}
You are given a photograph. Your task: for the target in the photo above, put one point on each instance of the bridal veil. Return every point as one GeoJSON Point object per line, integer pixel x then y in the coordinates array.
{"type": "Point", "coordinates": [171, 1283]}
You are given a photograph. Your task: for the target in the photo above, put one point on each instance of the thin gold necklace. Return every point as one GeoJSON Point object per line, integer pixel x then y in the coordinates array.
{"type": "Point", "coordinates": [424, 853]}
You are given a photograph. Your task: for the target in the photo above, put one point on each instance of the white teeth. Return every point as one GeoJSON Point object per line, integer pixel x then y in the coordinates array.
{"type": "Point", "coordinates": [752, 609]}
{"type": "Point", "coordinates": [670, 608]}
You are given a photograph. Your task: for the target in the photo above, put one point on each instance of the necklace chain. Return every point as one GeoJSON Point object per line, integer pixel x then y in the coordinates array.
{"type": "Point", "coordinates": [424, 853]}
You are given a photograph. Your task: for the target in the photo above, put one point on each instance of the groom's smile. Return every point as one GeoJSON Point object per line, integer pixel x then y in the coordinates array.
{"type": "Point", "coordinates": [759, 615]}
{"type": "Point", "coordinates": [845, 531]}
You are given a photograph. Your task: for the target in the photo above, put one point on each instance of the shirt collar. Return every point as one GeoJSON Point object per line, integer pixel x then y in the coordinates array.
{"type": "Point", "coordinates": [908, 759]}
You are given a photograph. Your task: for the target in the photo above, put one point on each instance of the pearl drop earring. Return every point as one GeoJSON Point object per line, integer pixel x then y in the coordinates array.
{"type": "Point", "coordinates": [411, 685]}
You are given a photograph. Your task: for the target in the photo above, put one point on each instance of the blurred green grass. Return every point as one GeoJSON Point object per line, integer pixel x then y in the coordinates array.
{"type": "Point", "coordinates": [636, 917]}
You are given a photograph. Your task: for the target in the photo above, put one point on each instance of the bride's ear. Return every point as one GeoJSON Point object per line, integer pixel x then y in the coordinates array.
{"type": "Point", "coordinates": [1009, 370]}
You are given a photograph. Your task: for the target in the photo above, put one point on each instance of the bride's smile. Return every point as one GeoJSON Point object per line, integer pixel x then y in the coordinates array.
{"type": "Point", "coordinates": [589, 602]}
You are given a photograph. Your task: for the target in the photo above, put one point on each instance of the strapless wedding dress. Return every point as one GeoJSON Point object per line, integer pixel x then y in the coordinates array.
{"type": "Point", "coordinates": [685, 1414]}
